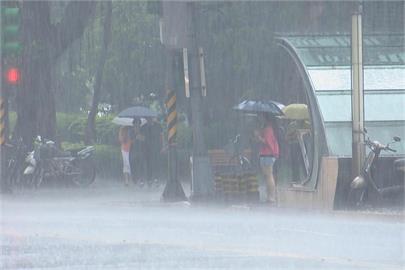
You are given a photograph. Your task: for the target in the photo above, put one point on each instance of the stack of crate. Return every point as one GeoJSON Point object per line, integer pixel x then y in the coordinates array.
{"type": "Point", "coordinates": [232, 183]}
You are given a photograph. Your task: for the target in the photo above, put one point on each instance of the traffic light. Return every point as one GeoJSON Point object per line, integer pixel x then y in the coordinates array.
{"type": "Point", "coordinates": [13, 75]}
{"type": "Point", "coordinates": [11, 46]}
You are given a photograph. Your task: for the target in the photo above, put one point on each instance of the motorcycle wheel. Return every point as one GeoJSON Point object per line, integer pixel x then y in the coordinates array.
{"type": "Point", "coordinates": [356, 198]}
{"type": "Point", "coordinates": [87, 173]}
{"type": "Point", "coordinates": [12, 173]}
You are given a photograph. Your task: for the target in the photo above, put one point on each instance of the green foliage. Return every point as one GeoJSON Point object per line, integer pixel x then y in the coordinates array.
{"type": "Point", "coordinates": [67, 129]}
{"type": "Point", "coordinates": [12, 116]}
{"type": "Point", "coordinates": [184, 136]}
{"type": "Point", "coordinates": [71, 128]}
{"type": "Point", "coordinates": [107, 131]}
{"type": "Point", "coordinates": [107, 158]}
{"type": "Point", "coordinates": [70, 146]}
{"type": "Point", "coordinates": [76, 130]}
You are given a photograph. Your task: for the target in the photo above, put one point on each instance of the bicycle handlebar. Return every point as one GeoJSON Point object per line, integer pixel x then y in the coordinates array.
{"type": "Point", "coordinates": [376, 145]}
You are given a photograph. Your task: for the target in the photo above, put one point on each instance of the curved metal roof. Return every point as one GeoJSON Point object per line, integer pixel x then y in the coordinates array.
{"type": "Point", "coordinates": [327, 63]}
{"type": "Point", "coordinates": [334, 50]}
{"type": "Point", "coordinates": [326, 60]}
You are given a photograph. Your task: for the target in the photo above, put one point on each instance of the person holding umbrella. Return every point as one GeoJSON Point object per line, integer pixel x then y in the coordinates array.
{"type": "Point", "coordinates": [126, 143]}
{"type": "Point", "coordinates": [266, 137]}
{"type": "Point", "coordinates": [137, 151]}
{"type": "Point", "coordinates": [269, 152]}
{"type": "Point", "coordinates": [135, 117]}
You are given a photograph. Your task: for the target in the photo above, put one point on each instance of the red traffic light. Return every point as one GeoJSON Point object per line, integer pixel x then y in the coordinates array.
{"type": "Point", "coordinates": [13, 75]}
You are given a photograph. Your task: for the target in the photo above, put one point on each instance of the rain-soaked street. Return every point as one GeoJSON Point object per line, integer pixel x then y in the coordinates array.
{"type": "Point", "coordinates": [110, 226]}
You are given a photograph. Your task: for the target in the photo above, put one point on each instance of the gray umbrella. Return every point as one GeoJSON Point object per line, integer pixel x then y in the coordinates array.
{"type": "Point", "coordinates": [138, 111]}
{"type": "Point", "coordinates": [269, 106]}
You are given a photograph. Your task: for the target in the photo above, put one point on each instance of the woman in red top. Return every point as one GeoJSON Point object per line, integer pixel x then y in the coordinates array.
{"type": "Point", "coordinates": [269, 152]}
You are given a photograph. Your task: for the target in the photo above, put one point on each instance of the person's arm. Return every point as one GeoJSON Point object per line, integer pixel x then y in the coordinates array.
{"type": "Point", "coordinates": [259, 137]}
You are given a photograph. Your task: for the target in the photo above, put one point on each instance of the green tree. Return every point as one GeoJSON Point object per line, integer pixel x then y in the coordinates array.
{"type": "Point", "coordinates": [44, 42]}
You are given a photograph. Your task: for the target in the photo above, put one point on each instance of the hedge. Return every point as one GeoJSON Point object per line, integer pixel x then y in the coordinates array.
{"type": "Point", "coordinates": [107, 158]}
{"type": "Point", "coordinates": [71, 128]}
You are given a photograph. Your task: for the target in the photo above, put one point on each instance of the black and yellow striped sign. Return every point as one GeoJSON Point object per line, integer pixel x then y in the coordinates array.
{"type": "Point", "coordinates": [2, 122]}
{"type": "Point", "coordinates": [171, 117]}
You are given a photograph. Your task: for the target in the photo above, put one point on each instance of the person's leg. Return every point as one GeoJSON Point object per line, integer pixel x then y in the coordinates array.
{"type": "Point", "coordinates": [127, 177]}
{"type": "Point", "coordinates": [271, 185]}
{"type": "Point", "coordinates": [148, 168]}
{"type": "Point", "coordinates": [132, 164]}
{"type": "Point", "coordinates": [141, 168]}
{"type": "Point", "coordinates": [126, 167]}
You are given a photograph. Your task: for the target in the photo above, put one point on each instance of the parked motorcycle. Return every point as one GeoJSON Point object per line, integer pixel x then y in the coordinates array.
{"type": "Point", "coordinates": [364, 183]}
{"type": "Point", "coordinates": [16, 153]}
{"type": "Point", "coordinates": [49, 162]}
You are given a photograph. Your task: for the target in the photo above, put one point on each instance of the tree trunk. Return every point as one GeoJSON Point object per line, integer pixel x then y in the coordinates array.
{"type": "Point", "coordinates": [91, 135]}
{"type": "Point", "coordinates": [43, 44]}
{"type": "Point", "coordinates": [35, 104]}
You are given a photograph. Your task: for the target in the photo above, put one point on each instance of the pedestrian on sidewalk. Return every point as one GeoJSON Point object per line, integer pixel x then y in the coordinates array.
{"type": "Point", "coordinates": [126, 143]}
{"type": "Point", "coordinates": [137, 151]}
{"type": "Point", "coordinates": [269, 152]}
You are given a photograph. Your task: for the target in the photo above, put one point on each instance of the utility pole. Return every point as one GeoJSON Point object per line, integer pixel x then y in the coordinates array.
{"type": "Point", "coordinates": [178, 29]}
{"type": "Point", "coordinates": [173, 190]}
{"type": "Point", "coordinates": [357, 78]}
{"type": "Point", "coordinates": [174, 37]}
{"type": "Point", "coordinates": [202, 184]}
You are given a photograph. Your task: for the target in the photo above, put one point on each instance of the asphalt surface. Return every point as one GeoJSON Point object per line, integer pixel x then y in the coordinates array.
{"type": "Point", "coordinates": [110, 226]}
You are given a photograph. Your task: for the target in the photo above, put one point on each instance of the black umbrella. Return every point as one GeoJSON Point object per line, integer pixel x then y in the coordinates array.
{"type": "Point", "coordinates": [137, 111]}
{"type": "Point", "coordinates": [252, 106]}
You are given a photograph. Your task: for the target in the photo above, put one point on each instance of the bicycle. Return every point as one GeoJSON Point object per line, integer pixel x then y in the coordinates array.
{"type": "Point", "coordinates": [234, 150]}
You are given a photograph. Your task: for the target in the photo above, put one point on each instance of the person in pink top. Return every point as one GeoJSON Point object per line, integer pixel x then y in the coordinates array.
{"type": "Point", "coordinates": [269, 152]}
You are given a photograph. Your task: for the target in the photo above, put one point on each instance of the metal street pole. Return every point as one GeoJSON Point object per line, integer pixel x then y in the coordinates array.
{"type": "Point", "coordinates": [202, 185]}
{"type": "Point", "coordinates": [173, 190]}
{"type": "Point", "coordinates": [358, 148]}
{"type": "Point", "coordinates": [179, 31]}
{"type": "Point", "coordinates": [4, 126]}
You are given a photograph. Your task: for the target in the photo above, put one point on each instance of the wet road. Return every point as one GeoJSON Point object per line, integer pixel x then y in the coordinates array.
{"type": "Point", "coordinates": [109, 226]}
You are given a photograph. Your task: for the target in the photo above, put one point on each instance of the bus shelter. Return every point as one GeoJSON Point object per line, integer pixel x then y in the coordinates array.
{"type": "Point", "coordinates": [316, 71]}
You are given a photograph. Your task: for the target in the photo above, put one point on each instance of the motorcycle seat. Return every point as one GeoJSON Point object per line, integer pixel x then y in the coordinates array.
{"type": "Point", "coordinates": [399, 165]}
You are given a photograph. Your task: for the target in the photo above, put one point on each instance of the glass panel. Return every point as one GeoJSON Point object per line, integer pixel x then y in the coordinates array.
{"type": "Point", "coordinates": [339, 136]}
{"type": "Point", "coordinates": [378, 107]}
{"type": "Point", "coordinates": [376, 78]}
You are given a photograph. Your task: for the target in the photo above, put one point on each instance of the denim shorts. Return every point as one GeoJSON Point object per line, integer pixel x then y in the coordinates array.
{"type": "Point", "coordinates": [267, 161]}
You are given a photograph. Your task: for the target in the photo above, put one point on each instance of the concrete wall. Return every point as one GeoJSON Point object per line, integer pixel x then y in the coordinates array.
{"type": "Point", "coordinates": [322, 197]}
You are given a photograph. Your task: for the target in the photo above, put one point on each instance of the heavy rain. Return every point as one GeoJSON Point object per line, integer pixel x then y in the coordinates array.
{"type": "Point", "coordinates": [202, 135]}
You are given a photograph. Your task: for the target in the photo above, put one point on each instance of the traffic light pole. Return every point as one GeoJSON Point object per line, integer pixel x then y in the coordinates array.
{"type": "Point", "coordinates": [11, 48]}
